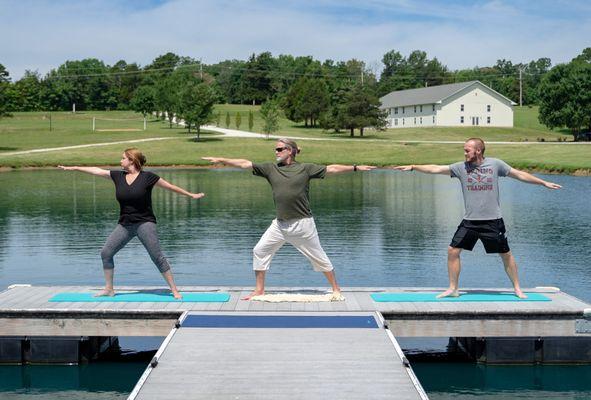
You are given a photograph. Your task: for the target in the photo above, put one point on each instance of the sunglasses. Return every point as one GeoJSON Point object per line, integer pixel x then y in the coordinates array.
{"type": "Point", "coordinates": [280, 149]}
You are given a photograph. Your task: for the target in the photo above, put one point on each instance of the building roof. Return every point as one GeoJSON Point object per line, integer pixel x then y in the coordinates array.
{"type": "Point", "coordinates": [428, 95]}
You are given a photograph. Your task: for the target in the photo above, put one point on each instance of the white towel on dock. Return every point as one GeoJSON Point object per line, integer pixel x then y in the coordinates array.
{"type": "Point", "coordinates": [298, 297]}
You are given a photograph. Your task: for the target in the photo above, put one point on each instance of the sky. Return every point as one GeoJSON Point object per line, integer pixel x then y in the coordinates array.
{"type": "Point", "coordinates": [39, 35]}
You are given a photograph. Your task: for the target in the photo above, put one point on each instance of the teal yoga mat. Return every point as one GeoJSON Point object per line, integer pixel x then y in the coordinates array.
{"type": "Point", "coordinates": [188, 297]}
{"type": "Point", "coordinates": [419, 297]}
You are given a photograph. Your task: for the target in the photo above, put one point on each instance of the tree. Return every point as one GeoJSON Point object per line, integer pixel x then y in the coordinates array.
{"type": "Point", "coordinates": [144, 100]}
{"type": "Point", "coordinates": [357, 109]}
{"type": "Point", "coordinates": [250, 120]}
{"type": "Point", "coordinates": [565, 97]}
{"type": "Point", "coordinates": [270, 115]}
{"type": "Point", "coordinates": [238, 120]}
{"type": "Point", "coordinates": [227, 119]}
{"type": "Point", "coordinates": [306, 100]}
{"type": "Point", "coordinates": [218, 118]}
{"type": "Point", "coordinates": [196, 103]}
{"type": "Point", "coordinates": [4, 92]}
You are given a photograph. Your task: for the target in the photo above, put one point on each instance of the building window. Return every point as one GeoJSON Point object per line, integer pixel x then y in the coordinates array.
{"type": "Point", "coordinates": [434, 120]}
{"type": "Point", "coordinates": [488, 108]}
{"type": "Point", "coordinates": [462, 119]}
{"type": "Point", "coordinates": [421, 120]}
{"type": "Point", "coordinates": [421, 108]}
{"type": "Point", "coordinates": [488, 120]}
{"type": "Point", "coordinates": [461, 107]}
{"type": "Point", "coordinates": [415, 109]}
{"type": "Point", "coordinates": [403, 119]}
{"type": "Point", "coordinates": [415, 122]}
{"type": "Point", "coordinates": [403, 108]}
{"type": "Point", "coordinates": [396, 122]}
{"type": "Point", "coordinates": [395, 110]}
{"type": "Point", "coordinates": [433, 107]}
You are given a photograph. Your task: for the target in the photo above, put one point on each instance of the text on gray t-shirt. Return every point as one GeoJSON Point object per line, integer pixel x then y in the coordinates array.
{"type": "Point", "coordinates": [480, 187]}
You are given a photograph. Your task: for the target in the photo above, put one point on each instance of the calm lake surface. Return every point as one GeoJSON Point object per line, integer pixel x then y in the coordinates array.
{"type": "Point", "coordinates": [383, 228]}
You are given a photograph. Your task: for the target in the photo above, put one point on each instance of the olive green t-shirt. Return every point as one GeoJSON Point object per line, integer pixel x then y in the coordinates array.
{"type": "Point", "coordinates": [290, 185]}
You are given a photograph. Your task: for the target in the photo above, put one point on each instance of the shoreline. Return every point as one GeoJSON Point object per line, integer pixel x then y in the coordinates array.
{"type": "Point", "coordinates": [535, 170]}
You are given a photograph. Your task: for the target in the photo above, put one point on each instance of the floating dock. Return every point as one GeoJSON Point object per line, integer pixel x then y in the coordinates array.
{"type": "Point", "coordinates": [311, 350]}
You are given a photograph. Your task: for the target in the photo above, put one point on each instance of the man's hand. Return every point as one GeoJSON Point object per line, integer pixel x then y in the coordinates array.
{"type": "Point", "coordinates": [551, 185]}
{"type": "Point", "coordinates": [196, 196]}
{"type": "Point", "coordinates": [213, 160]}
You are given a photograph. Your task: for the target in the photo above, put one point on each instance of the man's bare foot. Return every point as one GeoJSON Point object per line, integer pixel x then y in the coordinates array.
{"type": "Point", "coordinates": [105, 293]}
{"type": "Point", "coordinates": [449, 293]}
{"type": "Point", "coordinates": [177, 295]}
{"type": "Point", "coordinates": [520, 294]}
{"type": "Point", "coordinates": [254, 293]}
{"type": "Point", "coordinates": [336, 296]}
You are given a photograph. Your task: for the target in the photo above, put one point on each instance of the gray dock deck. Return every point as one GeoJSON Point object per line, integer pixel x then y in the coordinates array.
{"type": "Point", "coordinates": [279, 363]}
{"type": "Point", "coordinates": [25, 310]}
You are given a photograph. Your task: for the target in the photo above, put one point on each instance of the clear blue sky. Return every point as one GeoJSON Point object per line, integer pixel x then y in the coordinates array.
{"type": "Point", "coordinates": [42, 34]}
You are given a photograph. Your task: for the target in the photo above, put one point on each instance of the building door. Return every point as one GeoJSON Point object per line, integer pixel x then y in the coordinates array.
{"type": "Point", "coordinates": [475, 120]}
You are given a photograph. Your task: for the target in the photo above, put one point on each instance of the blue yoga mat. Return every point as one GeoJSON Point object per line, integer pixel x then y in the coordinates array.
{"type": "Point", "coordinates": [141, 297]}
{"type": "Point", "coordinates": [419, 297]}
{"type": "Point", "coordinates": [279, 321]}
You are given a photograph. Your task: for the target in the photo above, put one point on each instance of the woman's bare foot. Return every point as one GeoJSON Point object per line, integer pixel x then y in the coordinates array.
{"type": "Point", "coordinates": [254, 293]}
{"type": "Point", "coordinates": [449, 293]}
{"type": "Point", "coordinates": [177, 295]}
{"type": "Point", "coordinates": [520, 294]}
{"type": "Point", "coordinates": [105, 293]}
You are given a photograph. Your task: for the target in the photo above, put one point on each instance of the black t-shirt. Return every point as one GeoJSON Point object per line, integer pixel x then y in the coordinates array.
{"type": "Point", "coordinates": [135, 200]}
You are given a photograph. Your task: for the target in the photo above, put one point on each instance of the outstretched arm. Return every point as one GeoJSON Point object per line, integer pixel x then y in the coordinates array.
{"type": "Point", "coordinates": [173, 188]}
{"type": "Point", "coordinates": [104, 173]}
{"type": "Point", "coordinates": [529, 178]}
{"type": "Point", "coordinates": [338, 168]}
{"type": "Point", "coordinates": [232, 162]}
{"type": "Point", "coordinates": [426, 168]}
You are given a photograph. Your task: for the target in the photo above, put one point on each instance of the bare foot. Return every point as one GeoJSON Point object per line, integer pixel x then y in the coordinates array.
{"type": "Point", "coordinates": [449, 293]}
{"type": "Point", "coordinates": [177, 295]}
{"type": "Point", "coordinates": [336, 296]}
{"type": "Point", "coordinates": [105, 293]}
{"type": "Point", "coordinates": [520, 294]}
{"type": "Point", "coordinates": [254, 293]}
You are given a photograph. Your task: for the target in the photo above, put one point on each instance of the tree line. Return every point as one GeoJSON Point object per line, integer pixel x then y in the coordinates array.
{"type": "Point", "coordinates": [332, 94]}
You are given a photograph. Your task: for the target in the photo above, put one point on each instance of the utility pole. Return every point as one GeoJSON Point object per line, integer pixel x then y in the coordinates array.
{"type": "Point", "coordinates": [201, 70]}
{"type": "Point", "coordinates": [361, 76]}
{"type": "Point", "coordinates": [520, 87]}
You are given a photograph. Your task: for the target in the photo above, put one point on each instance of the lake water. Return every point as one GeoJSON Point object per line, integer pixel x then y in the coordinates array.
{"type": "Point", "coordinates": [383, 228]}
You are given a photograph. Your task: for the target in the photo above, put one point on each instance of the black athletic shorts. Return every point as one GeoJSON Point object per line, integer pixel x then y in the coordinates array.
{"type": "Point", "coordinates": [491, 232]}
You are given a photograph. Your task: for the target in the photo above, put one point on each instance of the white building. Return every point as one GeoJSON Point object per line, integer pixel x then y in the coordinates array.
{"type": "Point", "coordinates": [458, 104]}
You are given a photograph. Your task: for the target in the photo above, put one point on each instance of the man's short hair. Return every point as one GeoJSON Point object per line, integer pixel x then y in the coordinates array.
{"type": "Point", "coordinates": [479, 144]}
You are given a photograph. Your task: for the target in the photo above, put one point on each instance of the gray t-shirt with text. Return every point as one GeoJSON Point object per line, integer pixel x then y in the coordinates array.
{"type": "Point", "coordinates": [480, 187]}
{"type": "Point", "coordinates": [290, 185]}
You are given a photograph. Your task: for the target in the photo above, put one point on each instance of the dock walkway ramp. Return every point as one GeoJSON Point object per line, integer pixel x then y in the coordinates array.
{"type": "Point", "coordinates": [258, 355]}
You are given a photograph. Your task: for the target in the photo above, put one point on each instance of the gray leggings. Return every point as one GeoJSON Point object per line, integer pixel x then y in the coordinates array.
{"type": "Point", "coordinates": [146, 233]}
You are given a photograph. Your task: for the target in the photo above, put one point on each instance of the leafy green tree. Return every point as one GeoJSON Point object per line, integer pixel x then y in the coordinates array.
{"type": "Point", "coordinates": [250, 120]}
{"type": "Point", "coordinates": [565, 97]}
{"type": "Point", "coordinates": [196, 106]}
{"type": "Point", "coordinates": [27, 91]}
{"type": "Point", "coordinates": [227, 119]}
{"type": "Point", "coordinates": [306, 100]}
{"type": "Point", "coordinates": [144, 100]}
{"type": "Point", "coordinates": [125, 80]}
{"type": "Point", "coordinates": [256, 79]}
{"type": "Point", "coordinates": [270, 114]}
{"type": "Point", "coordinates": [4, 92]}
{"type": "Point", "coordinates": [238, 120]}
{"type": "Point", "coordinates": [218, 118]}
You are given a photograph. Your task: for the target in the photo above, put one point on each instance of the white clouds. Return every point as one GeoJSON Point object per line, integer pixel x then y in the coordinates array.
{"type": "Point", "coordinates": [43, 34]}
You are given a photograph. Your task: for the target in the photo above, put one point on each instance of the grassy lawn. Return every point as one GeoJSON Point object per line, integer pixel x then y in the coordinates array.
{"type": "Point", "coordinates": [31, 130]}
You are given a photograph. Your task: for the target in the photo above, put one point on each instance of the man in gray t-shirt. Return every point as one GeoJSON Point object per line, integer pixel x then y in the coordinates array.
{"type": "Point", "coordinates": [479, 177]}
{"type": "Point", "coordinates": [294, 224]}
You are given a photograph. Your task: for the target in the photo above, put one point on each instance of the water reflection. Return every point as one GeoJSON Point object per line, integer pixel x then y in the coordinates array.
{"type": "Point", "coordinates": [383, 228]}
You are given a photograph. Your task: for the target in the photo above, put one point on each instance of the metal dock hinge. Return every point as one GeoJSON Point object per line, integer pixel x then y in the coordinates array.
{"type": "Point", "coordinates": [584, 325]}
{"type": "Point", "coordinates": [405, 362]}
{"type": "Point", "coordinates": [154, 362]}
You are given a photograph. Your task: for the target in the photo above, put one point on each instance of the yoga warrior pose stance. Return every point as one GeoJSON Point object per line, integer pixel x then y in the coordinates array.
{"type": "Point", "coordinates": [294, 224]}
{"type": "Point", "coordinates": [479, 177]}
{"type": "Point", "coordinates": [133, 189]}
